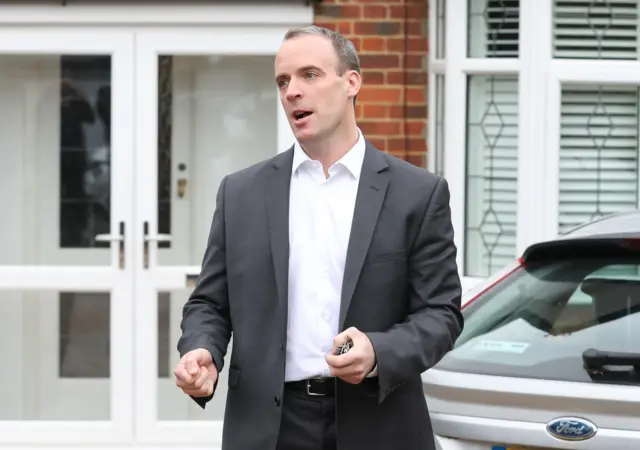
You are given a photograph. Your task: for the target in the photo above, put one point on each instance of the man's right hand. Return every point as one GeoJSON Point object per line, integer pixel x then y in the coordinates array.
{"type": "Point", "coordinates": [196, 374]}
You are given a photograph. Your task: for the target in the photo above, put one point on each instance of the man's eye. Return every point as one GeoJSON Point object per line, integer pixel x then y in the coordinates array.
{"type": "Point", "coordinates": [311, 75]}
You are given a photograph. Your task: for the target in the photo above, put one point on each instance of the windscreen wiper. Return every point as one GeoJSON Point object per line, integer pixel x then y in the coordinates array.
{"type": "Point", "coordinates": [610, 367]}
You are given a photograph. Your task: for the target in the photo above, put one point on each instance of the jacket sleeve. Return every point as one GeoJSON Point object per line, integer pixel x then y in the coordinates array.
{"type": "Point", "coordinates": [205, 316]}
{"type": "Point", "coordinates": [435, 320]}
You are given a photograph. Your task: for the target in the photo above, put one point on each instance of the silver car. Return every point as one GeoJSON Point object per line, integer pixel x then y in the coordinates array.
{"type": "Point", "coordinates": [550, 354]}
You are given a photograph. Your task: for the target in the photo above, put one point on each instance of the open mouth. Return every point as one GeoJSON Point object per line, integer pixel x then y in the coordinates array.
{"type": "Point", "coordinates": [299, 115]}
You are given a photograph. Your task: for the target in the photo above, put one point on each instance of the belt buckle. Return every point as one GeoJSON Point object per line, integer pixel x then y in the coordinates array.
{"type": "Point", "coordinates": [311, 393]}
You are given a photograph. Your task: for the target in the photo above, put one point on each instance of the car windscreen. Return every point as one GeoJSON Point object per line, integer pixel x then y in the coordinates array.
{"type": "Point", "coordinates": [538, 321]}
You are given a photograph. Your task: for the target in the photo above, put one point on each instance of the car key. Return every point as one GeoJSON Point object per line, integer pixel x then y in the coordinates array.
{"type": "Point", "coordinates": [345, 347]}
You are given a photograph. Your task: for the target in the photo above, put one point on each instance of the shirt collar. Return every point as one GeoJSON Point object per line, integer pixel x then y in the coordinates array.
{"type": "Point", "coordinates": [352, 160]}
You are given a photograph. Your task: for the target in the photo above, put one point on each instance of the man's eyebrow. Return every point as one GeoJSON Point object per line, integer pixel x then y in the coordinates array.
{"type": "Point", "coordinates": [310, 67]}
{"type": "Point", "coordinates": [300, 69]}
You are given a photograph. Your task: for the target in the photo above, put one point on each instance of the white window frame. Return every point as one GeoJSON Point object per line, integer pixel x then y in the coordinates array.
{"type": "Point", "coordinates": [563, 72]}
{"type": "Point", "coordinates": [534, 217]}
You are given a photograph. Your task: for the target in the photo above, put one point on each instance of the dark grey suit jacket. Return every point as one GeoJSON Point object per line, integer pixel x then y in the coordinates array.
{"type": "Point", "coordinates": [401, 287]}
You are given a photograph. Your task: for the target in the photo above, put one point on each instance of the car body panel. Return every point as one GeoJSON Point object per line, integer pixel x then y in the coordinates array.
{"type": "Point", "coordinates": [477, 433]}
{"type": "Point", "coordinates": [504, 410]}
{"type": "Point", "coordinates": [608, 406]}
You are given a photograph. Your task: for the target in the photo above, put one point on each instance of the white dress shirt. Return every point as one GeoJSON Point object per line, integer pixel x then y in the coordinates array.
{"type": "Point", "coordinates": [320, 215]}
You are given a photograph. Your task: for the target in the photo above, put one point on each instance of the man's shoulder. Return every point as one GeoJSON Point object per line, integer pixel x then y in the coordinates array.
{"type": "Point", "coordinates": [257, 171]}
{"type": "Point", "coordinates": [404, 172]}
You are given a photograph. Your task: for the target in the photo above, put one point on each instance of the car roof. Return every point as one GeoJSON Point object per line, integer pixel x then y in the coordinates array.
{"type": "Point", "coordinates": [622, 224]}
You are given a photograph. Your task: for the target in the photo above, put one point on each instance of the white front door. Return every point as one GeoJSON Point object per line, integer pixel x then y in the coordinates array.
{"type": "Point", "coordinates": [66, 272]}
{"type": "Point", "coordinates": [206, 105]}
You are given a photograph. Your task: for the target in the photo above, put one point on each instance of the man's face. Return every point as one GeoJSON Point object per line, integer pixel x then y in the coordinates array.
{"type": "Point", "coordinates": [315, 97]}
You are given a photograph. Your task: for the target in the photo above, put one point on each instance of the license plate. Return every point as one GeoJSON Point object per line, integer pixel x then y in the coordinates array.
{"type": "Point", "coordinates": [510, 447]}
{"type": "Point", "coordinates": [517, 447]}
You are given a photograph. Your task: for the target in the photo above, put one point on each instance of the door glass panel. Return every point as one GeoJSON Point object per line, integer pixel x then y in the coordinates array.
{"type": "Point", "coordinates": [57, 355]}
{"type": "Point", "coordinates": [216, 115]}
{"type": "Point", "coordinates": [55, 152]}
{"type": "Point", "coordinates": [83, 335]}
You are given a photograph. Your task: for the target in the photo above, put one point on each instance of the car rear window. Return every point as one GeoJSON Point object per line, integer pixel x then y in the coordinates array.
{"type": "Point", "coordinates": [538, 321]}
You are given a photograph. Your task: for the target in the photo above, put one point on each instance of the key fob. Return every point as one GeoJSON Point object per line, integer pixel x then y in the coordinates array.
{"type": "Point", "coordinates": [344, 348]}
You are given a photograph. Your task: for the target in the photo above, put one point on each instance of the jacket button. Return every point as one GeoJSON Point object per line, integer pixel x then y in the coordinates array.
{"type": "Point", "coordinates": [276, 400]}
{"type": "Point", "coordinates": [281, 346]}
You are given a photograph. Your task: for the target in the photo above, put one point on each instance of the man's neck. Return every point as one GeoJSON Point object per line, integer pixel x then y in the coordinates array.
{"type": "Point", "coordinates": [331, 150]}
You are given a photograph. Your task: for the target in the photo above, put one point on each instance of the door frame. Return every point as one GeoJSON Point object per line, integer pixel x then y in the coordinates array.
{"type": "Point", "coordinates": [189, 16]}
{"type": "Point", "coordinates": [149, 45]}
{"type": "Point", "coordinates": [110, 277]}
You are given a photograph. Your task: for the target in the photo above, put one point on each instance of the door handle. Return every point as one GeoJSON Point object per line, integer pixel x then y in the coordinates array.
{"type": "Point", "coordinates": [182, 187]}
{"type": "Point", "coordinates": [111, 238]}
{"type": "Point", "coordinates": [158, 237]}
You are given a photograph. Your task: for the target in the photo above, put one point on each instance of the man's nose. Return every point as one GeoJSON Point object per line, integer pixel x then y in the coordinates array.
{"type": "Point", "coordinates": [293, 92]}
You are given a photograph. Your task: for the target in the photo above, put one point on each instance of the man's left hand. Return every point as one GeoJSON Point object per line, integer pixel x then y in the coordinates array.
{"type": "Point", "coordinates": [358, 362]}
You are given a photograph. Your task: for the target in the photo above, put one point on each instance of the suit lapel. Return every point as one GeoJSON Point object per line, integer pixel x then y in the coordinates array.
{"type": "Point", "coordinates": [277, 203]}
{"type": "Point", "coordinates": [372, 189]}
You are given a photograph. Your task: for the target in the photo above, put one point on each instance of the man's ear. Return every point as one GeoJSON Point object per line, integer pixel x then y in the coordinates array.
{"type": "Point", "coordinates": [354, 81]}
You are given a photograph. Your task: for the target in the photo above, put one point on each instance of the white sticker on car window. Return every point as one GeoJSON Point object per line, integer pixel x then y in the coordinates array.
{"type": "Point", "coordinates": [501, 346]}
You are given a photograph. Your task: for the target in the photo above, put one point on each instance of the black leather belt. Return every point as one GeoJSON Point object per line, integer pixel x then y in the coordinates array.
{"type": "Point", "coordinates": [314, 387]}
{"type": "Point", "coordinates": [326, 387]}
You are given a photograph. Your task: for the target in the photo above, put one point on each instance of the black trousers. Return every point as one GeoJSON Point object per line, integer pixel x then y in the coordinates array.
{"type": "Point", "coordinates": [308, 422]}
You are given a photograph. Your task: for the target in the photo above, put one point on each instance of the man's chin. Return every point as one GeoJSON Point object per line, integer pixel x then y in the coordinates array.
{"type": "Point", "coordinates": [306, 135]}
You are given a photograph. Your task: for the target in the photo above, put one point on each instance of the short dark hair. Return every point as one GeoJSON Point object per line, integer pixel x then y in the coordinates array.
{"type": "Point", "coordinates": [346, 51]}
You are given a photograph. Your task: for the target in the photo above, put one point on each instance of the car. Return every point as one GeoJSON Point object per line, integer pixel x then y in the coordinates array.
{"type": "Point", "coordinates": [549, 357]}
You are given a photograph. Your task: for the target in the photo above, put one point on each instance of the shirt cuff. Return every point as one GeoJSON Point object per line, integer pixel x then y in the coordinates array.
{"type": "Point", "coordinates": [374, 372]}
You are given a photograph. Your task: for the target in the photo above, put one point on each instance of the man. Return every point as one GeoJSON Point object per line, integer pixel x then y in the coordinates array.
{"type": "Point", "coordinates": [327, 241]}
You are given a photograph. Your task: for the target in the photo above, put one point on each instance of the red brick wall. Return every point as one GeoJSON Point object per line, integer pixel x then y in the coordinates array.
{"type": "Point", "coordinates": [391, 38]}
